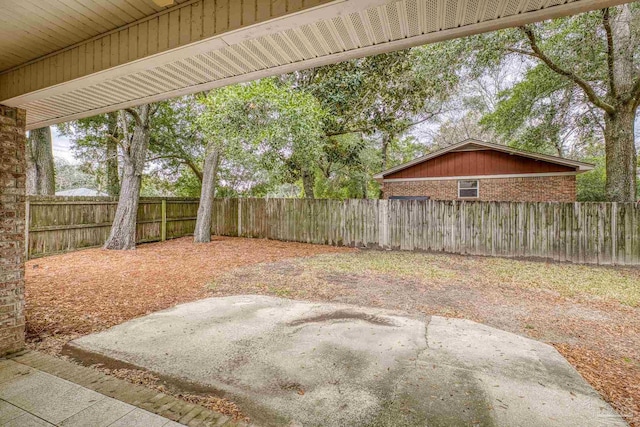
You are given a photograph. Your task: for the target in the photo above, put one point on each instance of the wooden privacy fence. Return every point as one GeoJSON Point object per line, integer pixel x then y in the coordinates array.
{"type": "Point", "coordinates": [63, 224]}
{"type": "Point", "coordinates": [594, 233]}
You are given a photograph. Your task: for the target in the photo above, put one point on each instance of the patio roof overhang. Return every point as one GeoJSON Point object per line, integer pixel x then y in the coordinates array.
{"type": "Point", "coordinates": [65, 60]}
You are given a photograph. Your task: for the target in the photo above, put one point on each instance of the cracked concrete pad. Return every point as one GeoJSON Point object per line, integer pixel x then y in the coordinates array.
{"type": "Point", "coordinates": [299, 363]}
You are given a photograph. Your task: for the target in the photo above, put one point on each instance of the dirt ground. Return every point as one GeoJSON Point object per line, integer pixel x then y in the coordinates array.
{"type": "Point", "coordinates": [590, 314]}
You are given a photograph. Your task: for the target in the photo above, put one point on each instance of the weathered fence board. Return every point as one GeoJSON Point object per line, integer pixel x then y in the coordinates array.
{"type": "Point", "coordinates": [593, 233]}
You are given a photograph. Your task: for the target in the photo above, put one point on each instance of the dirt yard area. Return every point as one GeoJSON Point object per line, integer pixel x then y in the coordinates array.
{"type": "Point", "coordinates": [590, 314]}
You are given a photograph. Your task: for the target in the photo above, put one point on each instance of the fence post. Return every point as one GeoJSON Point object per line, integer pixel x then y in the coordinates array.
{"type": "Point", "coordinates": [383, 223]}
{"type": "Point", "coordinates": [614, 233]}
{"type": "Point", "coordinates": [239, 217]}
{"type": "Point", "coordinates": [163, 224]}
{"type": "Point", "coordinates": [27, 219]}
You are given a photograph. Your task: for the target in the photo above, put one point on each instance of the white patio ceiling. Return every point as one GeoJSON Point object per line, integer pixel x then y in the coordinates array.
{"type": "Point", "coordinates": [198, 45]}
{"type": "Point", "coordinates": [33, 28]}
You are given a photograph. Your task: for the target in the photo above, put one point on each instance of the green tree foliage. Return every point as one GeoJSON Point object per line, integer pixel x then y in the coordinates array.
{"type": "Point", "coordinates": [371, 102]}
{"type": "Point", "coordinates": [70, 176]}
{"type": "Point", "coordinates": [177, 142]}
{"type": "Point", "coordinates": [95, 141]}
{"type": "Point", "coordinates": [264, 124]}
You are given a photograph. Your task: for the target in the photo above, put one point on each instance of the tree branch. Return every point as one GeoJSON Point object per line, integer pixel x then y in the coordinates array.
{"type": "Point", "coordinates": [347, 132]}
{"type": "Point", "coordinates": [194, 168]}
{"type": "Point", "coordinates": [196, 171]}
{"type": "Point", "coordinates": [521, 52]}
{"type": "Point", "coordinates": [154, 109]}
{"type": "Point", "coordinates": [113, 138]}
{"type": "Point", "coordinates": [588, 90]}
{"type": "Point", "coordinates": [634, 94]}
{"type": "Point", "coordinates": [430, 116]}
{"type": "Point", "coordinates": [136, 117]}
{"type": "Point", "coordinates": [606, 23]}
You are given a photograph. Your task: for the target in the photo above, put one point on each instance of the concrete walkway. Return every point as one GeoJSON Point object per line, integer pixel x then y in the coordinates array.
{"type": "Point", "coordinates": [38, 389]}
{"type": "Point", "coordinates": [29, 397]}
{"type": "Point", "coordinates": [295, 363]}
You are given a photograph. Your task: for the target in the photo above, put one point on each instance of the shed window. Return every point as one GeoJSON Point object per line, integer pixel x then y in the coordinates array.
{"type": "Point", "coordinates": [468, 189]}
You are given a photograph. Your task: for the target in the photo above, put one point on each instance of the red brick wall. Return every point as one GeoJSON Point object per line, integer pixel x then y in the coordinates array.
{"type": "Point", "coordinates": [526, 189]}
{"type": "Point", "coordinates": [12, 205]}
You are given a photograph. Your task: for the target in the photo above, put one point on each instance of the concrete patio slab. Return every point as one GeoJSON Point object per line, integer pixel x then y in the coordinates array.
{"type": "Point", "coordinates": [298, 363]}
{"type": "Point", "coordinates": [102, 414]}
{"type": "Point", "coordinates": [48, 397]}
{"type": "Point", "coordinates": [8, 412]}
{"type": "Point", "coordinates": [27, 420]}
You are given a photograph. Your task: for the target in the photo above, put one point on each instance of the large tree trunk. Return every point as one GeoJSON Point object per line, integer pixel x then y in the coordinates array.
{"type": "Point", "coordinates": [202, 232]}
{"type": "Point", "coordinates": [123, 230]}
{"type": "Point", "coordinates": [40, 169]}
{"type": "Point", "coordinates": [621, 156]}
{"type": "Point", "coordinates": [113, 177]}
{"type": "Point", "coordinates": [308, 183]}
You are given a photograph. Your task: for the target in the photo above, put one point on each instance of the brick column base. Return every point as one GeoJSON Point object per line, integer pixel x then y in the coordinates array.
{"type": "Point", "coordinates": [12, 211]}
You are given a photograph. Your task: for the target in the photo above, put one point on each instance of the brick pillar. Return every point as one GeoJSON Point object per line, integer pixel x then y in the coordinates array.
{"type": "Point", "coordinates": [12, 211]}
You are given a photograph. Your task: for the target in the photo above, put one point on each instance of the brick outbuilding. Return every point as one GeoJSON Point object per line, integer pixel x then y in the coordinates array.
{"type": "Point", "coordinates": [478, 170]}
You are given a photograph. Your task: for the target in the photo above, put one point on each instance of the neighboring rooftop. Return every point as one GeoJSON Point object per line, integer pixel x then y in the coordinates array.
{"type": "Point", "coordinates": [474, 144]}
{"type": "Point", "coordinates": [88, 192]}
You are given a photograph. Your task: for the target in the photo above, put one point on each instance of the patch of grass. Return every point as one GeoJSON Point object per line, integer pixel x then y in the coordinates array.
{"type": "Point", "coordinates": [280, 291]}
{"type": "Point", "coordinates": [402, 264]}
{"type": "Point", "coordinates": [617, 284]}
{"type": "Point", "coordinates": [569, 280]}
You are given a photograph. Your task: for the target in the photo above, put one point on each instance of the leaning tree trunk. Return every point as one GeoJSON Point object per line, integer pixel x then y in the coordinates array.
{"type": "Point", "coordinates": [40, 169]}
{"type": "Point", "coordinates": [123, 230]}
{"type": "Point", "coordinates": [308, 183]}
{"type": "Point", "coordinates": [202, 232]}
{"type": "Point", "coordinates": [113, 177]}
{"type": "Point", "coordinates": [621, 156]}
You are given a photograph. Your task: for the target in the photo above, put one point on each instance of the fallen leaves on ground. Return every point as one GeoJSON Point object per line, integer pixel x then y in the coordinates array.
{"type": "Point", "coordinates": [91, 290]}
{"type": "Point", "coordinates": [147, 379]}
